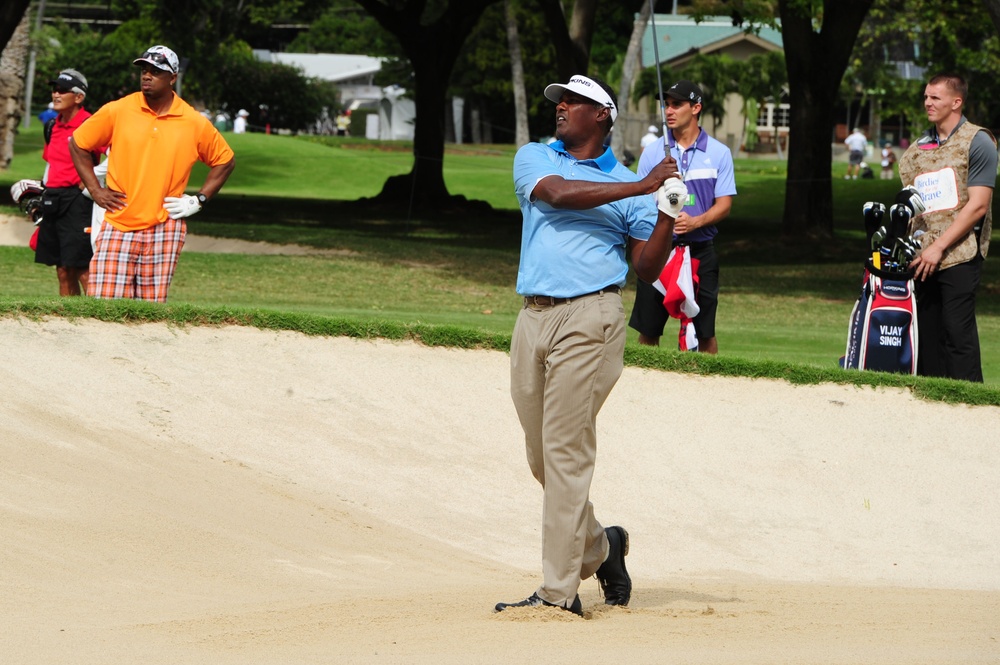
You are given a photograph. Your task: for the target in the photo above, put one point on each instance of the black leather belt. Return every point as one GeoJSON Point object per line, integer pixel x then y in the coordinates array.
{"type": "Point", "coordinates": [702, 244]}
{"type": "Point", "coordinates": [549, 301]}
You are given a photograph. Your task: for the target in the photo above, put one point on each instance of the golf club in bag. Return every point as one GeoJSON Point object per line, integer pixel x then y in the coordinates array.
{"type": "Point", "coordinates": [882, 332]}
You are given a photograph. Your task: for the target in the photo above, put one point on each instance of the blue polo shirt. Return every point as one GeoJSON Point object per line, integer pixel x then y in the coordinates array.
{"type": "Point", "coordinates": [706, 168]}
{"type": "Point", "coordinates": [567, 253]}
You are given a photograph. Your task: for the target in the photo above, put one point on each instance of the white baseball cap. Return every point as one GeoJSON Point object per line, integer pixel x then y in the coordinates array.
{"type": "Point", "coordinates": [160, 57]}
{"type": "Point", "coordinates": [585, 87]}
{"type": "Point", "coordinates": [652, 129]}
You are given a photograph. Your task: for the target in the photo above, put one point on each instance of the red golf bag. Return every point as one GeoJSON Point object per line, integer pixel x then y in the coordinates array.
{"type": "Point", "coordinates": [882, 334]}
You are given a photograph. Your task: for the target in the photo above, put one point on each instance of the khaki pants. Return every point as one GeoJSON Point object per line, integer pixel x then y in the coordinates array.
{"type": "Point", "coordinates": [564, 361]}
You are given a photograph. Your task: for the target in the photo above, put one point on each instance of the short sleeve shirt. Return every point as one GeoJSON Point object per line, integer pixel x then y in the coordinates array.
{"type": "Point", "coordinates": [154, 154]}
{"type": "Point", "coordinates": [62, 172]}
{"type": "Point", "coordinates": [568, 253]}
{"type": "Point", "coordinates": [707, 170]}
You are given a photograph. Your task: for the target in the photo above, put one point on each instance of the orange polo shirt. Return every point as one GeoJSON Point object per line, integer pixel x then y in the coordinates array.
{"type": "Point", "coordinates": [152, 155]}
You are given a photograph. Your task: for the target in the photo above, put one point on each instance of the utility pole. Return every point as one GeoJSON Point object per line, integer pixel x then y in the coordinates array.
{"type": "Point", "coordinates": [29, 84]}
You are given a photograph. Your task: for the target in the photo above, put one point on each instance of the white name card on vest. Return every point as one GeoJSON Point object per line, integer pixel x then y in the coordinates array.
{"type": "Point", "coordinates": [939, 189]}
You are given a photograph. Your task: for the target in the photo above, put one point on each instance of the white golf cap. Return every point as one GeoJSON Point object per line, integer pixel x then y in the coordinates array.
{"type": "Point", "coordinates": [160, 57]}
{"type": "Point", "coordinates": [652, 129]}
{"type": "Point", "coordinates": [585, 87]}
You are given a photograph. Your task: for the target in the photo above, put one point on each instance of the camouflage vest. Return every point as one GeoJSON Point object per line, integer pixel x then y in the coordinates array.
{"type": "Point", "coordinates": [942, 175]}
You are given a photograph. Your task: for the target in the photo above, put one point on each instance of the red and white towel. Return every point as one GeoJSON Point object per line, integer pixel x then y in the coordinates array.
{"type": "Point", "coordinates": [678, 283]}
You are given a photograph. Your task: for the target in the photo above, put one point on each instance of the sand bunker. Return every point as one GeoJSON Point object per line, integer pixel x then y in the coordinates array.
{"type": "Point", "coordinates": [229, 495]}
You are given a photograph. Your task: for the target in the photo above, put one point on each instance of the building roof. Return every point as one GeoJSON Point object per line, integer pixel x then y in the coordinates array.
{"type": "Point", "coordinates": [334, 67]}
{"type": "Point", "coordinates": [679, 35]}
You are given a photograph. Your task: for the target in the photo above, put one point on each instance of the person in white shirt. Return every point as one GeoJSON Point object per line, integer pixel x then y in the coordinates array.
{"type": "Point", "coordinates": [240, 124]}
{"type": "Point", "coordinates": [857, 144]}
{"type": "Point", "coordinates": [652, 134]}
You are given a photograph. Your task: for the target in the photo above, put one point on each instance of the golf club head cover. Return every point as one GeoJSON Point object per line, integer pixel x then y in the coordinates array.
{"type": "Point", "coordinates": [911, 198]}
{"type": "Point", "coordinates": [181, 206]}
{"type": "Point", "coordinates": [874, 212]}
{"type": "Point", "coordinates": [25, 189]}
{"type": "Point", "coordinates": [672, 196]}
{"type": "Point", "coordinates": [899, 215]}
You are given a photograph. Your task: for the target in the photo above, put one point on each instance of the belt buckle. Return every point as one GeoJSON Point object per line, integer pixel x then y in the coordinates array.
{"type": "Point", "coordinates": [540, 301]}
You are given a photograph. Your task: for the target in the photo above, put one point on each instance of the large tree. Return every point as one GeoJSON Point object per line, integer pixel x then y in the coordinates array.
{"type": "Point", "coordinates": [818, 38]}
{"type": "Point", "coordinates": [12, 66]}
{"type": "Point", "coordinates": [571, 35]}
{"type": "Point", "coordinates": [431, 35]}
{"type": "Point", "coordinates": [11, 12]}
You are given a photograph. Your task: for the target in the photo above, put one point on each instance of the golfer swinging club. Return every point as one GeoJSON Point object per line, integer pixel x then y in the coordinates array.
{"type": "Point", "coordinates": [582, 211]}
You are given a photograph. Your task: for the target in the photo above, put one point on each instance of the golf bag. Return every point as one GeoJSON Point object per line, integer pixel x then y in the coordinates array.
{"type": "Point", "coordinates": [882, 334]}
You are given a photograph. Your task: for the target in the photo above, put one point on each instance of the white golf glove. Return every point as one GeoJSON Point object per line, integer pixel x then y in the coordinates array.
{"type": "Point", "coordinates": [181, 206]}
{"type": "Point", "coordinates": [672, 196]}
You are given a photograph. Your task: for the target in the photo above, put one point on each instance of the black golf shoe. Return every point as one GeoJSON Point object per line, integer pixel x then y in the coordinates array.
{"type": "Point", "coordinates": [534, 601]}
{"type": "Point", "coordinates": [612, 575]}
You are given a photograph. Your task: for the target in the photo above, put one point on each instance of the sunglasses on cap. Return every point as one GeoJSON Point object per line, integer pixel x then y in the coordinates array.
{"type": "Point", "coordinates": [157, 58]}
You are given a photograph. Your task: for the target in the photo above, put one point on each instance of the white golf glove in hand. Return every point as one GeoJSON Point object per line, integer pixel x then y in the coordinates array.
{"type": "Point", "coordinates": [672, 196]}
{"type": "Point", "coordinates": [181, 206]}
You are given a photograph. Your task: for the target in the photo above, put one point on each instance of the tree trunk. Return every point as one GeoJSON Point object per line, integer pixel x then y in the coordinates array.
{"type": "Point", "coordinates": [517, 76]}
{"type": "Point", "coordinates": [432, 48]}
{"type": "Point", "coordinates": [424, 184]}
{"type": "Point", "coordinates": [572, 47]}
{"type": "Point", "coordinates": [816, 62]}
{"type": "Point", "coordinates": [12, 67]}
{"type": "Point", "coordinates": [11, 13]}
{"type": "Point", "coordinates": [629, 67]}
{"type": "Point", "coordinates": [581, 30]}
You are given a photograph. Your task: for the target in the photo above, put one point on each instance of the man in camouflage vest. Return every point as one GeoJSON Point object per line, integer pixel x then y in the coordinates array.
{"type": "Point", "coordinates": [954, 166]}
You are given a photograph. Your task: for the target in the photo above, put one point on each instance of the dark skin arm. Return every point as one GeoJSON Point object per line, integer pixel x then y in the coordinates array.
{"type": "Point", "coordinates": [84, 163]}
{"type": "Point", "coordinates": [217, 177]}
{"type": "Point", "coordinates": [648, 256]}
{"type": "Point", "coordinates": [112, 200]}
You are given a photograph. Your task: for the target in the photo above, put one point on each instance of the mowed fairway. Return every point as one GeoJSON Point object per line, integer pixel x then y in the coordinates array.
{"type": "Point", "coordinates": [781, 301]}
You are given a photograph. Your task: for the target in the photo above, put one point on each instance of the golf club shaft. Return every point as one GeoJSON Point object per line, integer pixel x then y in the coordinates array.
{"type": "Point", "coordinates": [659, 77]}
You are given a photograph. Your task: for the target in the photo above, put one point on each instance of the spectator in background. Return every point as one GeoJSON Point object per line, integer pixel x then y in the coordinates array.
{"type": "Point", "coordinates": [63, 241]}
{"type": "Point", "coordinates": [343, 123]}
{"type": "Point", "coordinates": [857, 145]}
{"type": "Point", "coordinates": [48, 114]}
{"type": "Point", "coordinates": [240, 124]}
{"type": "Point", "coordinates": [888, 161]}
{"type": "Point", "coordinates": [652, 134]}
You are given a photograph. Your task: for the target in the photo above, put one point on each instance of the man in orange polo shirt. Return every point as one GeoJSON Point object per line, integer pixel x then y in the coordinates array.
{"type": "Point", "coordinates": [156, 138]}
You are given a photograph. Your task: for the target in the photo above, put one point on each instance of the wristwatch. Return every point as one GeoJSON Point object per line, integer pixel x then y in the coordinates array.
{"type": "Point", "coordinates": [202, 199]}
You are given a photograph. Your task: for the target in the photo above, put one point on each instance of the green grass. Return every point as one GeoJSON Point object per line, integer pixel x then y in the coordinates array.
{"type": "Point", "coordinates": [783, 311]}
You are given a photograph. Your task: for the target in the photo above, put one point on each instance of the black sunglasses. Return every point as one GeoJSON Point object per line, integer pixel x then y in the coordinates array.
{"type": "Point", "coordinates": [61, 90]}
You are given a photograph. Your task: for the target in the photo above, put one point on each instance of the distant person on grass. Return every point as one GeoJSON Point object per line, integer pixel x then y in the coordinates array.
{"type": "Point", "coordinates": [156, 138]}
{"type": "Point", "coordinates": [583, 211]}
{"type": "Point", "coordinates": [857, 145]}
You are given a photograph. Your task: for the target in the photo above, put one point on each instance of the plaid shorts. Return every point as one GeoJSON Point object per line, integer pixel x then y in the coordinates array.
{"type": "Point", "coordinates": [139, 264]}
